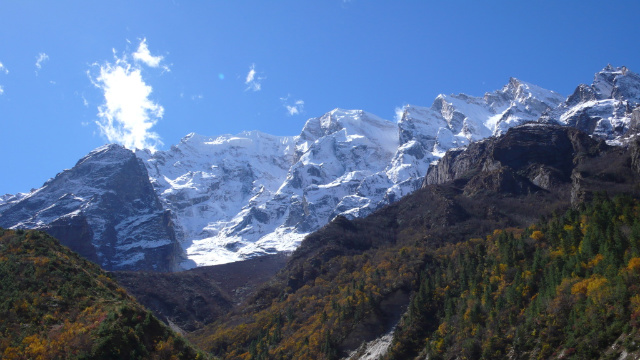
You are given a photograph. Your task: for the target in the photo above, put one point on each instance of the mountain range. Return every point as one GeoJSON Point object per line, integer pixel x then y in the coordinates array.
{"type": "Point", "coordinates": [482, 228]}
{"type": "Point", "coordinates": [214, 200]}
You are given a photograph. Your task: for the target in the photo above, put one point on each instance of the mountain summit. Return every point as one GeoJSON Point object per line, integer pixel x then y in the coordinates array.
{"type": "Point", "coordinates": [603, 108]}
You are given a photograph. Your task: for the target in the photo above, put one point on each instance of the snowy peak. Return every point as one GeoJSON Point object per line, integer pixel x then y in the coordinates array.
{"type": "Point", "coordinates": [329, 123]}
{"type": "Point", "coordinates": [348, 126]}
{"type": "Point", "coordinates": [604, 108]}
{"type": "Point", "coordinates": [617, 83]}
{"type": "Point", "coordinates": [353, 122]}
{"type": "Point", "coordinates": [523, 92]}
{"type": "Point", "coordinates": [474, 118]}
{"type": "Point", "coordinates": [517, 90]}
{"type": "Point", "coordinates": [604, 82]}
{"type": "Point", "coordinates": [213, 184]}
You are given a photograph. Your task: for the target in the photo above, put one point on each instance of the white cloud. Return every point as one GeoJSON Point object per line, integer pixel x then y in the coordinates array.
{"type": "Point", "coordinates": [251, 74]}
{"type": "Point", "coordinates": [5, 71]}
{"type": "Point", "coordinates": [41, 59]}
{"type": "Point", "coordinates": [293, 107]}
{"type": "Point", "coordinates": [253, 82]}
{"type": "Point", "coordinates": [127, 114]}
{"type": "Point", "coordinates": [143, 55]}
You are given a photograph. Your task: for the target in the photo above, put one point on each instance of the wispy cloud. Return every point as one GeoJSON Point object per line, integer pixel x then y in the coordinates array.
{"type": "Point", "coordinates": [253, 80]}
{"type": "Point", "coordinates": [41, 59]}
{"type": "Point", "coordinates": [294, 107]}
{"type": "Point", "coordinates": [144, 55]}
{"type": "Point", "coordinates": [128, 113]}
{"type": "Point", "coordinates": [1, 90]}
{"type": "Point", "coordinates": [346, 2]}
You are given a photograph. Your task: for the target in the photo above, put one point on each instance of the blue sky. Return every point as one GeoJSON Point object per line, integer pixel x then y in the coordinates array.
{"type": "Point", "coordinates": [78, 74]}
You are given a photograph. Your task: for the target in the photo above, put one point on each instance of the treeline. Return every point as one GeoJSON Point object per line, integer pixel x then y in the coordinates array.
{"type": "Point", "coordinates": [567, 287]}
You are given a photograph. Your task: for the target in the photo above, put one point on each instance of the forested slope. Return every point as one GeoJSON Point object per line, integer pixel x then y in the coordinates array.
{"type": "Point", "coordinates": [56, 305]}
{"type": "Point", "coordinates": [566, 287]}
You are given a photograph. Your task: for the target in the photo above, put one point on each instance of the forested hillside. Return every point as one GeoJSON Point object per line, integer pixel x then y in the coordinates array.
{"type": "Point", "coordinates": [567, 287]}
{"type": "Point", "coordinates": [56, 305]}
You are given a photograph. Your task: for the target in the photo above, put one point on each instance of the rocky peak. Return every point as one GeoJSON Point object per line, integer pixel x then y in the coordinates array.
{"type": "Point", "coordinates": [602, 109]}
{"type": "Point", "coordinates": [617, 83]}
{"type": "Point", "coordinates": [106, 209]}
{"type": "Point", "coordinates": [582, 93]}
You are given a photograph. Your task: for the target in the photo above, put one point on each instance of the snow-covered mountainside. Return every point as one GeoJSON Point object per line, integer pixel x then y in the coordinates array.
{"type": "Point", "coordinates": [231, 197]}
{"type": "Point", "coordinates": [240, 196]}
{"type": "Point", "coordinates": [603, 108]}
{"type": "Point", "coordinates": [215, 187]}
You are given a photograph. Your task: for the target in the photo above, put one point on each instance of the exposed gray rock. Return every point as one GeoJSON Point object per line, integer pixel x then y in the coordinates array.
{"type": "Point", "coordinates": [528, 158]}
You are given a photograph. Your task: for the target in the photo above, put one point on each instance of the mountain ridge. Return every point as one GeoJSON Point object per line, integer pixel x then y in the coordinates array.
{"type": "Point", "coordinates": [233, 197]}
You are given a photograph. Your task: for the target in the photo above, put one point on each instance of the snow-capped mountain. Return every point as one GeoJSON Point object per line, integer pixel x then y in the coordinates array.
{"type": "Point", "coordinates": [249, 194]}
{"type": "Point", "coordinates": [454, 121]}
{"type": "Point", "coordinates": [230, 197]}
{"type": "Point", "coordinates": [213, 186]}
{"type": "Point", "coordinates": [104, 208]}
{"type": "Point", "coordinates": [604, 107]}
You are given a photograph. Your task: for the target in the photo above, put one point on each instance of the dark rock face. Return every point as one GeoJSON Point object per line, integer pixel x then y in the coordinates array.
{"type": "Point", "coordinates": [526, 159]}
{"type": "Point", "coordinates": [634, 124]}
{"type": "Point", "coordinates": [75, 233]}
{"type": "Point", "coordinates": [106, 209]}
